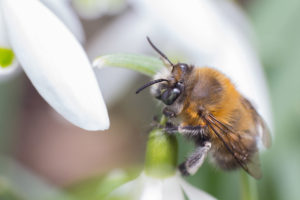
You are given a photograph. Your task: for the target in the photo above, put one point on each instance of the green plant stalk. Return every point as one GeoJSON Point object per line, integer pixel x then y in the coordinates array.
{"type": "Point", "coordinates": [161, 153]}
{"type": "Point", "coordinates": [248, 187]}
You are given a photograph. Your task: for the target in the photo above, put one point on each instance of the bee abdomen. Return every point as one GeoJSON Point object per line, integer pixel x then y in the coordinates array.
{"type": "Point", "coordinates": [226, 161]}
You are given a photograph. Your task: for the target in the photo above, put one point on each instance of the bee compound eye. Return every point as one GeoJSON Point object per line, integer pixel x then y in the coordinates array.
{"type": "Point", "coordinates": [170, 95]}
{"type": "Point", "coordinates": [183, 67]}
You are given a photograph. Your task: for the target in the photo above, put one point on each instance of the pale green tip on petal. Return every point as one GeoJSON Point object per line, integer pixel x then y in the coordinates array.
{"type": "Point", "coordinates": [6, 57]}
{"type": "Point", "coordinates": [144, 64]}
{"type": "Point", "coordinates": [9, 66]}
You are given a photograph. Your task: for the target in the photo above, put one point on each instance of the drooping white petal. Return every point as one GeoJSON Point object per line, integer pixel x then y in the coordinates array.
{"type": "Point", "coordinates": [171, 189]}
{"type": "Point", "coordinates": [63, 10]}
{"type": "Point", "coordinates": [160, 189]}
{"type": "Point", "coordinates": [92, 9]}
{"type": "Point", "coordinates": [111, 41]}
{"type": "Point", "coordinates": [3, 34]}
{"type": "Point", "coordinates": [55, 63]}
{"type": "Point", "coordinates": [8, 62]}
{"type": "Point", "coordinates": [193, 193]}
{"type": "Point", "coordinates": [207, 34]}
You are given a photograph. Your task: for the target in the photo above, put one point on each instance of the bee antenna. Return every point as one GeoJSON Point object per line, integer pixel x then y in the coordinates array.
{"type": "Point", "coordinates": [159, 52]}
{"type": "Point", "coordinates": [149, 84]}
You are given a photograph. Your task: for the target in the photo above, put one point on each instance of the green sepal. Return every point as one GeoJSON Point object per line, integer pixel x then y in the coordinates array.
{"type": "Point", "coordinates": [144, 64]}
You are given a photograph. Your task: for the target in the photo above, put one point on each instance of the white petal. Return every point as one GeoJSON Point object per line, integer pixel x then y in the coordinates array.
{"type": "Point", "coordinates": [3, 33]}
{"type": "Point", "coordinates": [193, 193]}
{"type": "Point", "coordinates": [149, 188]}
{"type": "Point", "coordinates": [172, 189]}
{"type": "Point", "coordinates": [205, 32]}
{"type": "Point", "coordinates": [63, 10]}
{"type": "Point", "coordinates": [96, 8]}
{"type": "Point", "coordinates": [55, 63]}
{"type": "Point", "coordinates": [6, 70]}
{"type": "Point", "coordinates": [125, 190]}
{"type": "Point", "coordinates": [110, 40]}
{"type": "Point", "coordinates": [152, 189]}
{"type": "Point", "coordinates": [160, 189]}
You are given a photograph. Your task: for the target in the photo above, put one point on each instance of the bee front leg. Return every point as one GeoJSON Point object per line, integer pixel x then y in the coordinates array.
{"type": "Point", "coordinates": [194, 162]}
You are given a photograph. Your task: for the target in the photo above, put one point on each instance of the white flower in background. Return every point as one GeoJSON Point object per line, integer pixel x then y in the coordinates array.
{"type": "Point", "coordinates": [91, 9]}
{"type": "Point", "coordinates": [211, 33]}
{"type": "Point", "coordinates": [113, 89]}
{"type": "Point", "coordinates": [55, 62]}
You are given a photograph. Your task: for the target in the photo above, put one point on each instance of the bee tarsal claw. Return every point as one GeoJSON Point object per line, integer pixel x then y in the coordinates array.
{"type": "Point", "coordinates": [183, 170]}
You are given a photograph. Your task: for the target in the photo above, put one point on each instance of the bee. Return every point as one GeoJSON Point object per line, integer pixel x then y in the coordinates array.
{"type": "Point", "coordinates": [210, 111]}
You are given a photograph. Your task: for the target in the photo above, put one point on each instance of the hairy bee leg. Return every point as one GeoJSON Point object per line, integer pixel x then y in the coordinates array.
{"type": "Point", "coordinates": [187, 130]}
{"type": "Point", "coordinates": [192, 130]}
{"type": "Point", "coordinates": [195, 161]}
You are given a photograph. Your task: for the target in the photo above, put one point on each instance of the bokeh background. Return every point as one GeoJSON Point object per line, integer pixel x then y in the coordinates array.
{"type": "Point", "coordinates": [53, 156]}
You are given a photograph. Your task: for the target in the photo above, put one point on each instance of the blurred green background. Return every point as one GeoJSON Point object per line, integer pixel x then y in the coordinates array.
{"type": "Point", "coordinates": [277, 26]}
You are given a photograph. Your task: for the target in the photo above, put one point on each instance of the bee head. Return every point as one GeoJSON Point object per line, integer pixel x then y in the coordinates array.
{"type": "Point", "coordinates": [170, 88]}
{"type": "Point", "coordinates": [167, 91]}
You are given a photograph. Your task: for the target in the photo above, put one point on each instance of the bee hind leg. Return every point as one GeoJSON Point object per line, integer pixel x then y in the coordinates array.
{"type": "Point", "coordinates": [195, 161]}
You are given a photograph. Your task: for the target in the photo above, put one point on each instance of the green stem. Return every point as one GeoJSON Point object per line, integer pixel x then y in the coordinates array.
{"type": "Point", "coordinates": [161, 153]}
{"type": "Point", "coordinates": [248, 187]}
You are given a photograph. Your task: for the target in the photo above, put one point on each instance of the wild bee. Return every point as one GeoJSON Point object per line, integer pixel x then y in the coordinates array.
{"type": "Point", "coordinates": [212, 113]}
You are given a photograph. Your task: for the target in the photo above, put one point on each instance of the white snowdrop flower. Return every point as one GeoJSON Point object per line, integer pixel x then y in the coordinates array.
{"type": "Point", "coordinates": [55, 62]}
{"type": "Point", "coordinates": [63, 10]}
{"type": "Point", "coordinates": [8, 62]}
{"type": "Point", "coordinates": [150, 188]}
{"type": "Point", "coordinates": [212, 33]}
{"type": "Point", "coordinates": [159, 180]}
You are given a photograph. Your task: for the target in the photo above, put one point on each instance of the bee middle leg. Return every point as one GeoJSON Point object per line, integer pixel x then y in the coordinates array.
{"type": "Point", "coordinates": [195, 161]}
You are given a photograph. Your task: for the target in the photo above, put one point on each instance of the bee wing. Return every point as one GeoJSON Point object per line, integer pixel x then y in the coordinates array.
{"type": "Point", "coordinates": [263, 133]}
{"type": "Point", "coordinates": [233, 144]}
